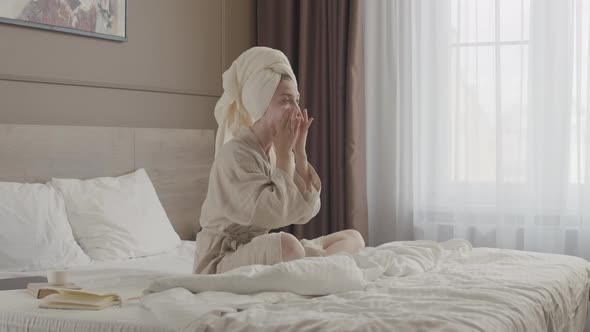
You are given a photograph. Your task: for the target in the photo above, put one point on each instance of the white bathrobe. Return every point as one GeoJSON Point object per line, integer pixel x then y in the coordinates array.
{"type": "Point", "coordinates": [247, 197]}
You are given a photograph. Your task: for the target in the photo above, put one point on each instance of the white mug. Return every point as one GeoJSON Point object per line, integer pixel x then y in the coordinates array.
{"type": "Point", "coordinates": [57, 277]}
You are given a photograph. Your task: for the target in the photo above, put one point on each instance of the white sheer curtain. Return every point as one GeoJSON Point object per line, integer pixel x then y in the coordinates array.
{"type": "Point", "coordinates": [477, 115]}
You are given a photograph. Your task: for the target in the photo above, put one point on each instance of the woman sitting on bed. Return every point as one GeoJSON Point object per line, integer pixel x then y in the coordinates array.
{"type": "Point", "coordinates": [261, 179]}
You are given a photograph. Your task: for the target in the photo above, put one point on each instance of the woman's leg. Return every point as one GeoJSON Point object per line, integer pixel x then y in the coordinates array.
{"type": "Point", "coordinates": [266, 249]}
{"type": "Point", "coordinates": [349, 241]}
{"type": "Point", "coordinates": [291, 248]}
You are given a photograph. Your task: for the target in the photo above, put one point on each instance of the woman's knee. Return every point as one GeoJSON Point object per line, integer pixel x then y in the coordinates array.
{"type": "Point", "coordinates": [355, 237]}
{"type": "Point", "coordinates": [291, 247]}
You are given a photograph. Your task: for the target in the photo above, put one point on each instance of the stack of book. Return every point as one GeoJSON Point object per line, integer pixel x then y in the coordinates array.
{"type": "Point", "coordinates": [79, 300]}
{"type": "Point", "coordinates": [71, 296]}
{"type": "Point", "coordinates": [42, 289]}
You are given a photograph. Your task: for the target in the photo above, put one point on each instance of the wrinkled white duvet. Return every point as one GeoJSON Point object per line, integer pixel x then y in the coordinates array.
{"type": "Point", "coordinates": [402, 286]}
{"type": "Point", "coordinates": [399, 286]}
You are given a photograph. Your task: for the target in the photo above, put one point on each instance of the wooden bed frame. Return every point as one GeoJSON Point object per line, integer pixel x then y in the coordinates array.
{"type": "Point", "coordinates": [178, 161]}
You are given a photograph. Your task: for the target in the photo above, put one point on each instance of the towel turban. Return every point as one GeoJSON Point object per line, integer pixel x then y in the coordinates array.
{"type": "Point", "coordinates": [248, 86]}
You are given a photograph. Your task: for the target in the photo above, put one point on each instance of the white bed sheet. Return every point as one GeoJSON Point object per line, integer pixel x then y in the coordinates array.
{"type": "Point", "coordinates": [455, 294]}
{"type": "Point", "coordinates": [427, 287]}
{"type": "Point", "coordinates": [19, 311]}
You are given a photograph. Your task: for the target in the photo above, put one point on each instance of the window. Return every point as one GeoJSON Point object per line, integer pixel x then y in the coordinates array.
{"type": "Point", "coordinates": [580, 95]}
{"type": "Point", "coordinates": [489, 62]}
{"type": "Point", "coordinates": [489, 83]}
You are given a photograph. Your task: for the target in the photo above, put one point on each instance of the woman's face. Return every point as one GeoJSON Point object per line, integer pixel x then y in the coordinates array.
{"type": "Point", "coordinates": [286, 97]}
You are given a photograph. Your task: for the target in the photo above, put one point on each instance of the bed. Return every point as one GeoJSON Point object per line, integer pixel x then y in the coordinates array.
{"type": "Point", "coordinates": [479, 289]}
{"type": "Point", "coordinates": [406, 286]}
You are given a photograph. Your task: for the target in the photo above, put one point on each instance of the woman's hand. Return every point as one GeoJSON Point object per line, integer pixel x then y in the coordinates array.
{"type": "Point", "coordinates": [285, 138]}
{"type": "Point", "coordinates": [302, 130]}
{"type": "Point", "coordinates": [301, 164]}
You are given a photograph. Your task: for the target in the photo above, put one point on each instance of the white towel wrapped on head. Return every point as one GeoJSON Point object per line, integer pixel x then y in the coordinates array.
{"type": "Point", "coordinates": [248, 87]}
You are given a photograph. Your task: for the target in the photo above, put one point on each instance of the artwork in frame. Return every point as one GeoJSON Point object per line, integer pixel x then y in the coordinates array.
{"type": "Point", "coordinates": [95, 18]}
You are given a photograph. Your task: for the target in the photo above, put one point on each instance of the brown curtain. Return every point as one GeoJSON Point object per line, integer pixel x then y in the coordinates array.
{"type": "Point", "coordinates": [323, 41]}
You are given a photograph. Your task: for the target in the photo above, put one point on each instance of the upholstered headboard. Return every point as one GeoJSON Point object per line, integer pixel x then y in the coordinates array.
{"type": "Point", "coordinates": [178, 161]}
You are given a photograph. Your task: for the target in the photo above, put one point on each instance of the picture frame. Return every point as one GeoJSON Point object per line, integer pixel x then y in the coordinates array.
{"type": "Point", "coordinates": [106, 19]}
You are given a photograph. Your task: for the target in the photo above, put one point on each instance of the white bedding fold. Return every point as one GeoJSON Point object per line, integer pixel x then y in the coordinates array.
{"type": "Point", "coordinates": [312, 276]}
{"type": "Point", "coordinates": [322, 275]}
{"type": "Point", "coordinates": [402, 286]}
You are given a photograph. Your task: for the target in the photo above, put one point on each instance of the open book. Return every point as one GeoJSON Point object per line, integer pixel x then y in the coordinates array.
{"type": "Point", "coordinates": [80, 300]}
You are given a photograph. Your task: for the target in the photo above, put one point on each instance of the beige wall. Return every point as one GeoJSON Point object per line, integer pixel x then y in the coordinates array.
{"type": "Point", "coordinates": [167, 75]}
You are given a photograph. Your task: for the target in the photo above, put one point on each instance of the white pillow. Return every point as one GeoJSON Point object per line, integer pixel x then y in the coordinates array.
{"type": "Point", "coordinates": [117, 218]}
{"type": "Point", "coordinates": [34, 229]}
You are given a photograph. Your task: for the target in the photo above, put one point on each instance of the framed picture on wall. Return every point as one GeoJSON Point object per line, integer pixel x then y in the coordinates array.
{"type": "Point", "coordinates": [95, 18]}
